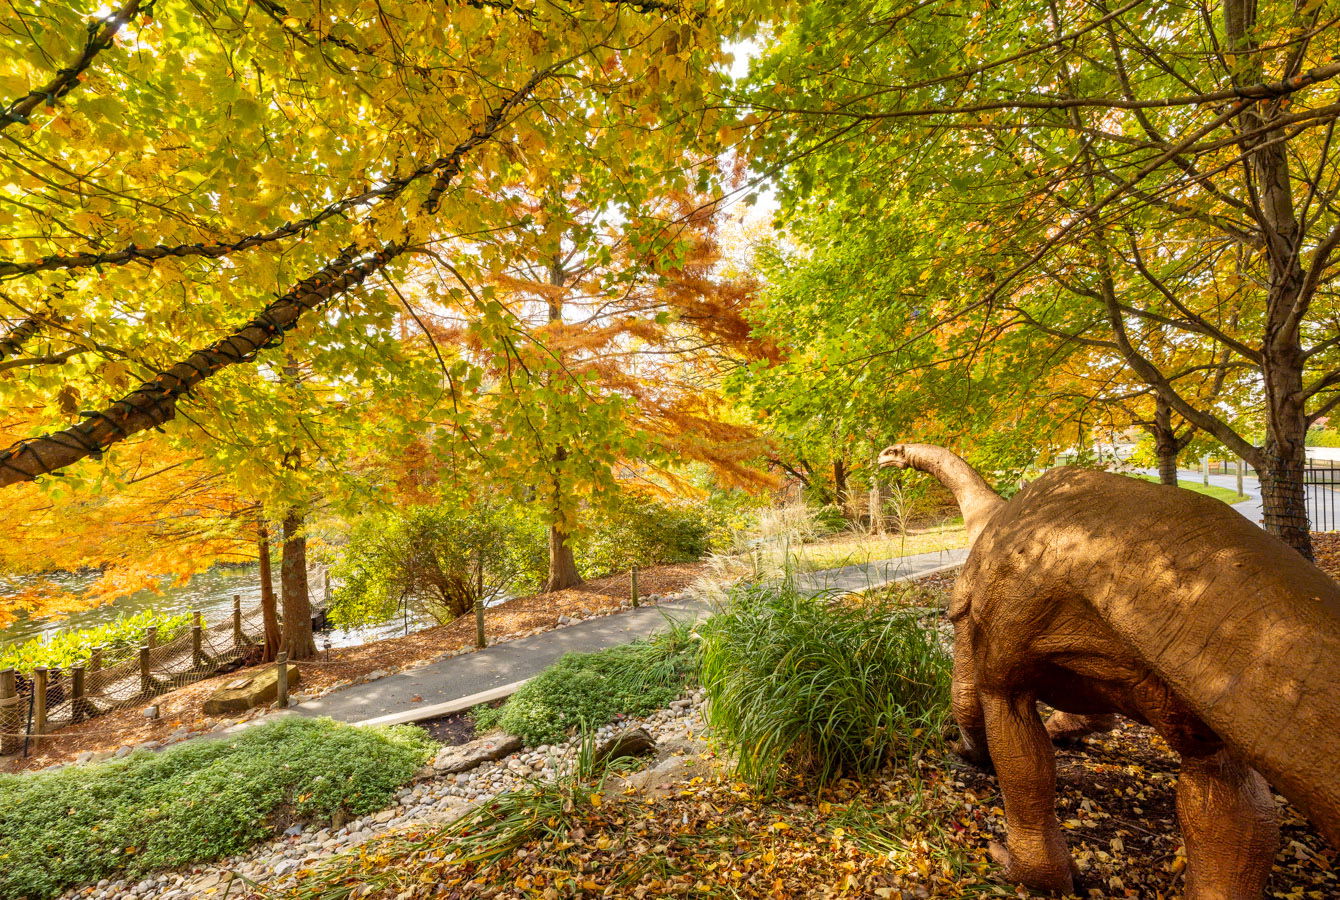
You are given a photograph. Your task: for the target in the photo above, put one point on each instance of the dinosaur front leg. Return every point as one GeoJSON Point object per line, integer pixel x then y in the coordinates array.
{"type": "Point", "coordinates": [1228, 821]}
{"type": "Point", "coordinates": [1036, 854]}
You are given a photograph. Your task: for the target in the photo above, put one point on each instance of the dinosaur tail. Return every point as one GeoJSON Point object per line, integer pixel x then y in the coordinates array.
{"type": "Point", "coordinates": [976, 500]}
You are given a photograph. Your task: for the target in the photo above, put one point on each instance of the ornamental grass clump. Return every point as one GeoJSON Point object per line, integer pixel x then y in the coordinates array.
{"type": "Point", "coordinates": [819, 687]}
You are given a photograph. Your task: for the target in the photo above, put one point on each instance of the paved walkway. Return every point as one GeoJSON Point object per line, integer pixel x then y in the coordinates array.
{"type": "Point", "coordinates": [493, 667]}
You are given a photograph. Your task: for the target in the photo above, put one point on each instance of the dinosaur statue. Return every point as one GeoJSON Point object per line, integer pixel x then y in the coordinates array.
{"type": "Point", "coordinates": [1098, 595]}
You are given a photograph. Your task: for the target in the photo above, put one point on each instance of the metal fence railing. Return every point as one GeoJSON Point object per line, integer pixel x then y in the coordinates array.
{"type": "Point", "coordinates": [1322, 480]}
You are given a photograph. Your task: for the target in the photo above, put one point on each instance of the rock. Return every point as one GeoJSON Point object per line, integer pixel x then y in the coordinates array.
{"type": "Point", "coordinates": [150, 712]}
{"type": "Point", "coordinates": [250, 691]}
{"type": "Point", "coordinates": [384, 816]}
{"type": "Point", "coordinates": [84, 757]}
{"type": "Point", "coordinates": [494, 745]}
{"type": "Point", "coordinates": [630, 743]}
{"type": "Point", "coordinates": [121, 752]}
{"type": "Point", "coordinates": [566, 620]}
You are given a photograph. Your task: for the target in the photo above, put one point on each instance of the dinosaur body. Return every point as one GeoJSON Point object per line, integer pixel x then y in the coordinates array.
{"type": "Point", "coordinates": [1099, 595]}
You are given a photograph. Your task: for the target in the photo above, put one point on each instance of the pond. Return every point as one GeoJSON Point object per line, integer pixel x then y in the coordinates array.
{"type": "Point", "coordinates": [212, 593]}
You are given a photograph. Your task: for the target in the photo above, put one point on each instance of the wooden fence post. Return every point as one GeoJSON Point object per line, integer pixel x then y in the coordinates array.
{"type": "Point", "coordinates": [281, 659]}
{"type": "Point", "coordinates": [11, 714]}
{"type": "Point", "coordinates": [633, 586]}
{"type": "Point", "coordinates": [146, 679]}
{"type": "Point", "coordinates": [237, 620]}
{"type": "Point", "coordinates": [197, 641]}
{"type": "Point", "coordinates": [78, 705]}
{"type": "Point", "coordinates": [151, 636]}
{"type": "Point", "coordinates": [94, 667]}
{"type": "Point", "coordinates": [40, 700]}
{"type": "Point", "coordinates": [480, 640]}
{"type": "Point", "coordinates": [1205, 469]}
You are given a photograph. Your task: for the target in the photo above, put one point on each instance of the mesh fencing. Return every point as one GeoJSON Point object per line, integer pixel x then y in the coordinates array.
{"type": "Point", "coordinates": [84, 692]}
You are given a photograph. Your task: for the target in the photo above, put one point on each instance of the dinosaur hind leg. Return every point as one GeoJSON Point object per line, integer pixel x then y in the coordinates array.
{"type": "Point", "coordinates": [1228, 821]}
{"type": "Point", "coordinates": [1036, 854]}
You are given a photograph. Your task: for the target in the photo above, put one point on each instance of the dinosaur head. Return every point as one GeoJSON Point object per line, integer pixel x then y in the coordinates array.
{"type": "Point", "coordinates": [895, 456]}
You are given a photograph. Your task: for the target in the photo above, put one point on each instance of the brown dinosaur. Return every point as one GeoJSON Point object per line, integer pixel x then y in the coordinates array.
{"type": "Point", "coordinates": [1098, 594]}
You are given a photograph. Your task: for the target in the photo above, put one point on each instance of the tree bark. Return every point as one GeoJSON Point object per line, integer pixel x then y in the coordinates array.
{"type": "Point", "coordinates": [1165, 441]}
{"type": "Point", "coordinates": [841, 493]}
{"type": "Point", "coordinates": [562, 564]}
{"type": "Point", "coordinates": [1283, 493]}
{"type": "Point", "coordinates": [298, 641]}
{"type": "Point", "coordinates": [269, 611]}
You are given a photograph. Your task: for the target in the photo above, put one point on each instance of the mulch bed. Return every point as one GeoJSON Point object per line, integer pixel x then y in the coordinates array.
{"type": "Point", "coordinates": [1326, 548]}
{"type": "Point", "coordinates": [910, 832]}
{"type": "Point", "coordinates": [450, 731]}
{"type": "Point", "coordinates": [516, 618]}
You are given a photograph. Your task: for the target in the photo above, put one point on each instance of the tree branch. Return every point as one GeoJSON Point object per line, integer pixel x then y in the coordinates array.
{"type": "Point", "coordinates": [100, 37]}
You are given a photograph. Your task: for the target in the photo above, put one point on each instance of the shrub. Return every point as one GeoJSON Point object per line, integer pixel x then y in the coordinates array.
{"type": "Point", "coordinates": [441, 558]}
{"type": "Point", "coordinates": [1323, 437]}
{"type": "Point", "coordinates": [587, 690]}
{"type": "Point", "coordinates": [122, 637]}
{"type": "Point", "coordinates": [193, 802]}
{"type": "Point", "coordinates": [821, 686]}
{"type": "Point", "coordinates": [639, 530]}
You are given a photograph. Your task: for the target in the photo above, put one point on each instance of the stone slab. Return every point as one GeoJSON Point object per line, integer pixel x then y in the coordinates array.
{"type": "Point", "coordinates": [241, 694]}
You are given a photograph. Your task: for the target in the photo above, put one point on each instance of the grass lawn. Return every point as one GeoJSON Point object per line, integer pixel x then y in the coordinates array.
{"type": "Point", "coordinates": [852, 549]}
{"type": "Point", "coordinates": [1228, 495]}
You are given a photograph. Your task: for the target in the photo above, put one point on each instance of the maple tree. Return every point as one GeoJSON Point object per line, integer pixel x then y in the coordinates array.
{"type": "Point", "coordinates": [1071, 137]}
{"type": "Point", "coordinates": [202, 184]}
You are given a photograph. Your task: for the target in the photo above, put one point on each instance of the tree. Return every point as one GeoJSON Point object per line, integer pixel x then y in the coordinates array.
{"type": "Point", "coordinates": [445, 558]}
{"type": "Point", "coordinates": [301, 163]}
{"type": "Point", "coordinates": [597, 63]}
{"type": "Point", "coordinates": [1057, 132]}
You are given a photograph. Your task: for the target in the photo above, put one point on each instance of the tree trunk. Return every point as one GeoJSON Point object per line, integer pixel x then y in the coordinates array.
{"type": "Point", "coordinates": [1165, 441]}
{"type": "Point", "coordinates": [269, 611]}
{"type": "Point", "coordinates": [562, 564]}
{"type": "Point", "coordinates": [1266, 157]}
{"type": "Point", "coordinates": [841, 493]}
{"type": "Point", "coordinates": [877, 523]}
{"type": "Point", "coordinates": [1283, 491]}
{"type": "Point", "coordinates": [298, 641]}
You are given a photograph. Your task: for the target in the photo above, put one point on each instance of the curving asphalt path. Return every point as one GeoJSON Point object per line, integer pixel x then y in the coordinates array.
{"type": "Point", "coordinates": [457, 677]}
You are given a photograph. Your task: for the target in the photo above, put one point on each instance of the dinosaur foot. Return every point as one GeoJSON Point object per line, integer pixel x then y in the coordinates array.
{"type": "Point", "coordinates": [973, 755]}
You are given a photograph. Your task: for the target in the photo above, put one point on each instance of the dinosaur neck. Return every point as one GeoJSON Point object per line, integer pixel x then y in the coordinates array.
{"type": "Point", "coordinates": [975, 498]}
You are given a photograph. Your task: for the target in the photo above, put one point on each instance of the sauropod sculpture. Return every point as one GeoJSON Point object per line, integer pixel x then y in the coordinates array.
{"type": "Point", "coordinates": [1099, 595]}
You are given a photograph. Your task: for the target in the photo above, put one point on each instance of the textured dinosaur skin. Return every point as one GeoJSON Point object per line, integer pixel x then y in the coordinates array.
{"type": "Point", "coordinates": [1101, 595]}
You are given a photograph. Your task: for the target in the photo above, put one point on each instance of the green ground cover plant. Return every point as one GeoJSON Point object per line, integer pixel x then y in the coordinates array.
{"type": "Point", "coordinates": [586, 690]}
{"type": "Point", "coordinates": [121, 638]}
{"type": "Point", "coordinates": [820, 687]}
{"type": "Point", "coordinates": [194, 802]}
